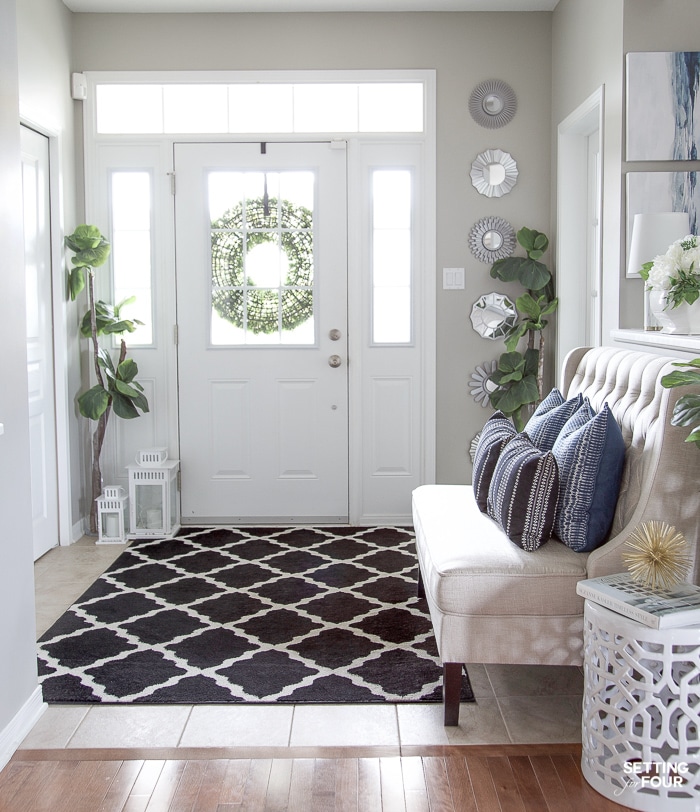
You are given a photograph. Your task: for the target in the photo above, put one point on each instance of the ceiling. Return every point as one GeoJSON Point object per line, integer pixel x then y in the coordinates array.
{"type": "Point", "coordinates": [187, 6]}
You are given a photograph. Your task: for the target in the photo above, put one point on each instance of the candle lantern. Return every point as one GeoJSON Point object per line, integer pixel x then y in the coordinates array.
{"type": "Point", "coordinates": [111, 515]}
{"type": "Point", "coordinates": [153, 503]}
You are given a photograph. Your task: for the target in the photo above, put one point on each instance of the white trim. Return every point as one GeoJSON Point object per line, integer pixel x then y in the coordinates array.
{"type": "Point", "coordinates": [19, 727]}
{"type": "Point", "coordinates": [572, 249]}
{"type": "Point", "coordinates": [62, 396]}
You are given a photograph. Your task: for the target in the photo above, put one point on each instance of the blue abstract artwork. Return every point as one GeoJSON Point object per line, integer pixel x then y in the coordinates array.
{"type": "Point", "coordinates": [663, 113]}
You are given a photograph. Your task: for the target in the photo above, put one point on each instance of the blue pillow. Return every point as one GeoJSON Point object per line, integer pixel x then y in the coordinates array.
{"type": "Point", "coordinates": [591, 455]}
{"type": "Point", "coordinates": [550, 417]}
{"type": "Point", "coordinates": [524, 493]}
{"type": "Point", "coordinates": [496, 432]}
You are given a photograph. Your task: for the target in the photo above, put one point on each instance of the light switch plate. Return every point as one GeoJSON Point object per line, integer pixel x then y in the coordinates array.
{"type": "Point", "coordinates": [453, 278]}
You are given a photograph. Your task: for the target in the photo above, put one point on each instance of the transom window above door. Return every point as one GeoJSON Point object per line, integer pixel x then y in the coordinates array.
{"type": "Point", "coordinates": [314, 107]}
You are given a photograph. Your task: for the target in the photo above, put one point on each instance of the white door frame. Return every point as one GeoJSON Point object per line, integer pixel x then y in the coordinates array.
{"type": "Point", "coordinates": [63, 398]}
{"type": "Point", "coordinates": [573, 249]}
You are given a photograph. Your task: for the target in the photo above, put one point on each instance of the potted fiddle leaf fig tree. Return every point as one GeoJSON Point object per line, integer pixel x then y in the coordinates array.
{"type": "Point", "coordinates": [686, 411]}
{"type": "Point", "coordinates": [519, 376]}
{"type": "Point", "coordinates": [116, 388]}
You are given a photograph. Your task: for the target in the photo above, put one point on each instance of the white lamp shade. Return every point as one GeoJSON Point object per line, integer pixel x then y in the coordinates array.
{"type": "Point", "coordinates": [652, 234]}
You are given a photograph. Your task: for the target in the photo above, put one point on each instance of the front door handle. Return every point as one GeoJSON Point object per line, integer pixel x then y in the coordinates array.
{"type": "Point", "coordinates": [335, 361]}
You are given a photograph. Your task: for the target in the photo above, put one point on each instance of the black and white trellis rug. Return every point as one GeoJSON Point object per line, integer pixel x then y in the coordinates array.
{"type": "Point", "coordinates": [250, 615]}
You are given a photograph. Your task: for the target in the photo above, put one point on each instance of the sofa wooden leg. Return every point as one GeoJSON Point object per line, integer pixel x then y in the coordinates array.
{"type": "Point", "coordinates": [451, 692]}
{"type": "Point", "coordinates": [420, 587]}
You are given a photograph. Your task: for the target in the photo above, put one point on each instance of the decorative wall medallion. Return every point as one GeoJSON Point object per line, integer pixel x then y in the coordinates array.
{"type": "Point", "coordinates": [494, 173]}
{"type": "Point", "coordinates": [493, 316]}
{"type": "Point", "coordinates": [480, 385]}
{"type": "Point", "coordinates": [493, 103]}
{"type": "Point", "coordinates": [492, 238]}
{"type": "Point", "coordinates": [473, 446]}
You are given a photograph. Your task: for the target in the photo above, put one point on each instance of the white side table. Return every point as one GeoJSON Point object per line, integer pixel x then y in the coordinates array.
{"type": "Point", "coordinates": [641, 712]}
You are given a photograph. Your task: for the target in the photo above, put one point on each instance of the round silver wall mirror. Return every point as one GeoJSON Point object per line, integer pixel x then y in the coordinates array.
{"type": "Point", "coordinates": [493, 103]}
{"type": "Point", "coordinates": [492, 238]}
{"type": "Point", "coordinates": [494, 173]}
{"type": "Point", "coordinates": [493, 316]}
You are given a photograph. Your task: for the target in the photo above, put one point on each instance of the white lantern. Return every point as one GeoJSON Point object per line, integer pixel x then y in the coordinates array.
{"type": "Point", "coordinates": [153, 503]}
{"type": "Point", "coordinates": [111, 515]}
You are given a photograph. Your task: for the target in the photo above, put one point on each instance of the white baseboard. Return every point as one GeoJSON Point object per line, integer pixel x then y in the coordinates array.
{"type": "Point", "coordinates": [25, 719]}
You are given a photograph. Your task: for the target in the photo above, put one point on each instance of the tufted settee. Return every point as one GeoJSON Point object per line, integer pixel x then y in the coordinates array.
{"type": "Point", "coordinates": [491, 601]}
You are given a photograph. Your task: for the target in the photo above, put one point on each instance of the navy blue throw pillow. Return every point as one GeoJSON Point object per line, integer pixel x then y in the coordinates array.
{"type": "Point", "coordinates": [524, 493]}
{"type": "Point", "coordinates": [591, 456]}
{"type": "Point", "coordinates": [496, 432]}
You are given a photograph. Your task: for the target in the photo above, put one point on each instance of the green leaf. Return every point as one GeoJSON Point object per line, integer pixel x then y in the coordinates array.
{"type": "Point", "coordinates": [511, 362]}
{"type": "Point", "coordinates": [549, 307]}
{"type": "Point", "coordinates": [140, 402]}
{"type": "Point", "coordinates": [686, 411]}
{"type": "Point", "coordinates": [123, 406]}
{"type": "Point", "coordinates": [127, 370]}
{"type": "Point", "coordinates": [694, 437]}
{"type": "Point", "coordinates": [104, 359]}
{"type": "Point", "coordinates": [126, 390]}
{"type": "Point", "coordinates": [695, 362]}
{"type": "Point", "coordinates": [534, 275]}
{"type": "Point", "coordinates": [521, 393]}
{"type": "Point", "coordinates": [532, 358]}
{"type": "Point", "coordinates": [527, 305]}
{"type": "Point", "coordinates": [76, 282]}
{"type": "Point", "coordinates": [515, 336]}
{"type": "Point", "coordinates": [93, 403]}
{"type": "Point", "coordinates": [680, 378]}
{"type": "Point", "coordinates": [507, 269]}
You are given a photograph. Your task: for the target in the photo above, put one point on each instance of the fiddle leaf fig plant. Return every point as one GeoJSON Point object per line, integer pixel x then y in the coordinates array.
{"type": "Point", "coordinates": [519, 377]}
{"type": "Point", "coordinates": [116, 388]}
{"type": "Point", "coordinates": [686, 412]}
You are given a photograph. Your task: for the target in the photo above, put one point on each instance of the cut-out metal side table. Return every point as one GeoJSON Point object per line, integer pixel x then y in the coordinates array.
{"type": "Point", "coordinates": [641, 712]}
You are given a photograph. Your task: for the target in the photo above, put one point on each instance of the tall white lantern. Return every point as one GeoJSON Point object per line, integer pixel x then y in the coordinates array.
{"type": "Point", "coordinates": [111, 515]}
{"type": "Point", "coordinates": [153, 502]}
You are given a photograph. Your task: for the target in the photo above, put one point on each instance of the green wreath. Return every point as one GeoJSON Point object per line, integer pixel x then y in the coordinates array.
{"type": "Point", "coordinates": [235, 297]}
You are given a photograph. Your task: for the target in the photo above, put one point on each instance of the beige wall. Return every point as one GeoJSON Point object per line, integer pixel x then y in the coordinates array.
{"type": "Point", "coordinates": [464, 48]}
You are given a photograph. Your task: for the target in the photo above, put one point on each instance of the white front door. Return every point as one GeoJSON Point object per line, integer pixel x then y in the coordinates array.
{"type": "Point", "coordinates": [261, 262]}
{"type": "Point", "coordinates": [40, 374]}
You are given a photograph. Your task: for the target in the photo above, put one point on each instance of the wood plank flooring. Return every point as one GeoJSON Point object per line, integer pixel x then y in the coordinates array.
{"type": "Point", "coordinates": [532, 778]}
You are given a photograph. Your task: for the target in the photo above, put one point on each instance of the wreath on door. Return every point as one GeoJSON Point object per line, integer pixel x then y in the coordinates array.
{"type": "Point", "coordinates": [235, 297]}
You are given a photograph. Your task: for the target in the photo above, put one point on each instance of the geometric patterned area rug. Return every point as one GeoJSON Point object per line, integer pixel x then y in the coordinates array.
{"type": "Point", "coordinates": [256, 615]}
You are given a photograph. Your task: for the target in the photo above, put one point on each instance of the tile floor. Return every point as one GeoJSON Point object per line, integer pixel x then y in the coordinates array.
{"type": "Point", "coordinates": [515, 704]}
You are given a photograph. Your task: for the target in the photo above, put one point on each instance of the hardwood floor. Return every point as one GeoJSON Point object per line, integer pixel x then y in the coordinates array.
{"type": "Point", "coordinates": [532, 778]}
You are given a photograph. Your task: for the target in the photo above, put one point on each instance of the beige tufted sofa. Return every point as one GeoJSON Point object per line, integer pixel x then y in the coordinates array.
{"type": "Point", "coordinates": [492, 602]}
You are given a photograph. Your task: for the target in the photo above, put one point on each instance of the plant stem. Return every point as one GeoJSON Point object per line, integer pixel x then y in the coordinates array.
{"type": "Point", "coordinates": [540, 367]}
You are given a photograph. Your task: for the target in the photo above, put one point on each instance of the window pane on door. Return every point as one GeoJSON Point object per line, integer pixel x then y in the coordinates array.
{"type": "Point", "coordinates": [262, 258]}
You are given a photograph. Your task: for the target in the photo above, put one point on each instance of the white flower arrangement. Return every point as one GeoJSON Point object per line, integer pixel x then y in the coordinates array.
{"type": "Point", "coordinates": [677, 272]}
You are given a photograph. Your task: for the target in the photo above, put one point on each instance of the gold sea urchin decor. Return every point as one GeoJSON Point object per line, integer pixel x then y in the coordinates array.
{"type": "Point", "coordinates": [657, 555]}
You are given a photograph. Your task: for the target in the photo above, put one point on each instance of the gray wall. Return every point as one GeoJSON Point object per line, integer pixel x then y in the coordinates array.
{"type": "Point", "coordinates": [17, 629]}
{"type": "Point", "coordinates": [464, 48]}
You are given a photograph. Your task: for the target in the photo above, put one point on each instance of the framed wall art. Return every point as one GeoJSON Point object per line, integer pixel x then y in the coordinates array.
{"type": "Point", "coordinates": [663, 117]}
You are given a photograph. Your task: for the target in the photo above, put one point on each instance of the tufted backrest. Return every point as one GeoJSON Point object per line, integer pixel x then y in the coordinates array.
{"type": "Point", "coordinates": [661, 478]}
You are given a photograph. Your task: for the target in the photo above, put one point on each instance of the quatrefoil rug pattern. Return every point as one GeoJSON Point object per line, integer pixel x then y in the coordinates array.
{"type": "Point", "coordinates": [301, 614]}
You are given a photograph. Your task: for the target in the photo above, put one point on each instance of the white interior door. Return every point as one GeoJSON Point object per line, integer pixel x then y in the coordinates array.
{"type": "Point", "coordinates": [40, 373]}
{"type": "Point", "coordinates": [261, 256]}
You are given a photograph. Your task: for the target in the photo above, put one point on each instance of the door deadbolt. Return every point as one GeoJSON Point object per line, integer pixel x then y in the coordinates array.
{"type": "Point", "coordinates": [334, 335]}
{"type": "Point", "coordinates": [335, 361]}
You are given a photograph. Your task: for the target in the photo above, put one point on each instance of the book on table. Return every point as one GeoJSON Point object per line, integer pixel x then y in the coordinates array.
{"type": "Point", "coordinates": [657, 608]}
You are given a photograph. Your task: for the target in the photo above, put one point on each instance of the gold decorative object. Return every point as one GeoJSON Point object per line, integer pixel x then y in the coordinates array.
{"type": "Point", "coordinates": [657, 555]}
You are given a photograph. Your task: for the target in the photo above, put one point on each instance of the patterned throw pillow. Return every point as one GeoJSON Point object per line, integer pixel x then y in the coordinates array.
{"type": "Point", "coordinates": [550, 417]}
{"type": "Point", "coordinates": [524, 493]}
{"type": "Point", "coordinates": [497, 431]}
{"type": "Point", "coordinates": [591, 455]}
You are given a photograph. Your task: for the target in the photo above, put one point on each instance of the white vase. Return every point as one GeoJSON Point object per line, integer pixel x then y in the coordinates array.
{"type": "Point", "coordinates": [681, 320]}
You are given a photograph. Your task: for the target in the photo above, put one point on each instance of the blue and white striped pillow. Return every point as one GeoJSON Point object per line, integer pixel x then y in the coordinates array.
{"type": "Point", "coordinates": [550, 417]}
{"type": "Point", "coordinates": [591, 455]}
{"type": "Point", "coordinates": [524, 493]}
{"type": "Point", "coordinates": [497, 430]}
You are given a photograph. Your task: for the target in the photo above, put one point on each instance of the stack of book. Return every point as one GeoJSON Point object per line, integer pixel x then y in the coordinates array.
{"type": "Point", "coordinates": [657, 608]}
